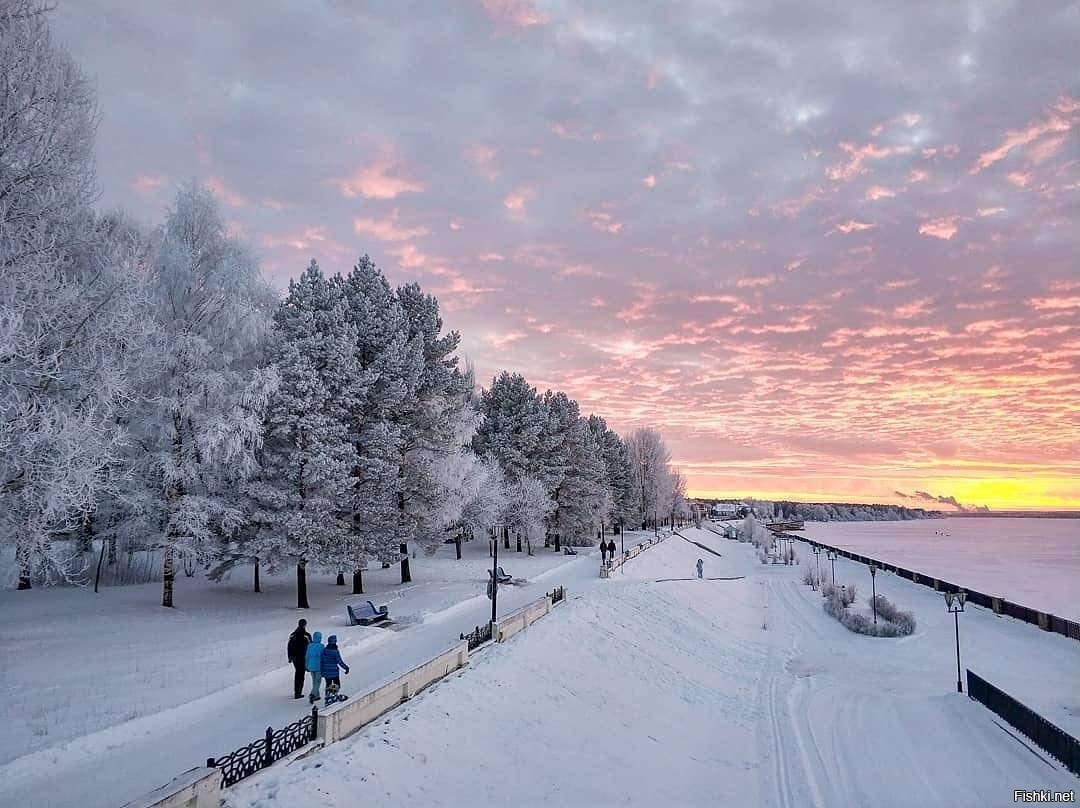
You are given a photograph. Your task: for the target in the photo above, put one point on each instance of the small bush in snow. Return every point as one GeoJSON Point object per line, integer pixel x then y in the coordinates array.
{"type": "Point", "coordinates": [847, 593]}
{"type": "Point", "coordinates": [904, 621]}
{"type": "Point", "coordinates": [891, 621]}
{"type": "Point", "coordinates": [809, 578]}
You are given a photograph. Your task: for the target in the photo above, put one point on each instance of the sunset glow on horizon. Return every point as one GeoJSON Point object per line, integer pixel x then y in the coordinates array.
{"type": "Point", "coordinates": [830, 251]}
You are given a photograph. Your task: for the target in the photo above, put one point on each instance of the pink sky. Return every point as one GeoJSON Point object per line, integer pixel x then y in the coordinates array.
{"type": "Point", "coordinates": [830, 251]}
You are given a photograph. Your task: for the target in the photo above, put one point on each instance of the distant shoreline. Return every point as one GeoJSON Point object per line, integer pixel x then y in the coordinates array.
{"type": "Point", "coordinates": [1015, 514]}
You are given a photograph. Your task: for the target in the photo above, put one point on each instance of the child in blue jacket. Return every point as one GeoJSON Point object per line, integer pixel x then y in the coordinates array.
{"type": "Point", "coordinates": [313, 663]}
{"type": "Point", "coordinates": [331, 659]}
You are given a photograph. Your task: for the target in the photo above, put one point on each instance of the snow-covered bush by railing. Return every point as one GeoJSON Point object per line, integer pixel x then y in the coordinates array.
{"type": "Point", "coordinates": [891, 621]}
{"type": "Point", "coordinates": [905, 621]}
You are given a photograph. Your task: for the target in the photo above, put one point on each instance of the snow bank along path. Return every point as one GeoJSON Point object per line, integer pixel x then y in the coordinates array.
{"type": "Point", "coordinates": [674, 694]}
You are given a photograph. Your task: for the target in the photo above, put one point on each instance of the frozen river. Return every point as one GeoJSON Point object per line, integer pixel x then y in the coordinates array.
{"type": "Point", "coordinates": [1033, 562]}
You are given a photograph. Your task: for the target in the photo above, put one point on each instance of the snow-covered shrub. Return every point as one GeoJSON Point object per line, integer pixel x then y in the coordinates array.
{"type": "Point", "coordinates": [904, 621]}
{"type": "Point", "coordinates": [847, 594]}
{"type": "Point", "coordinates": [809, 578]}
{"type": "Point", "coordinates": [834, 605]}
{"type": "Point", "coordinates": [763, 557]}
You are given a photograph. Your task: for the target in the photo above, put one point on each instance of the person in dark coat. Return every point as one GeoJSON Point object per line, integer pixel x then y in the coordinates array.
{"type": "Point", "coordinates": [603, 553]}
{"type": "Point", "coordinates": [611, 551]}
{"type": "Point", "coordinates": [297, 651]}
{"type": "Point", "coordinates": [331, 659]}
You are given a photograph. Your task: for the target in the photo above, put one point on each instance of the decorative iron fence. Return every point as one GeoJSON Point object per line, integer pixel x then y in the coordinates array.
{"type": "Point", "coordinates": [559, 593]}
{"type": "Point", "coordinates": [259, 754]}
{"type": "Point", "coordinates": [1055, 741]}
{"type": "Point", "coordinates": [478, 636]}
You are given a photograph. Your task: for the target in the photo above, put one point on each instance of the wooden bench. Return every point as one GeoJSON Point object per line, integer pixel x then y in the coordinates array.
{"type": "Point", "coordinates": [501, 576]}
{"type": "Point", "coordinates": [366, 613]}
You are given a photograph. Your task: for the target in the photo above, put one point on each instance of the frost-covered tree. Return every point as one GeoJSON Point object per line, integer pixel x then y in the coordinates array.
{"type": "Point", "coordinates": [486, 496]}
{"type": "Point", "coordinates": [650, 461]}
{"type": "Point", "coordinates": [580, 492]}
{"type": "Point", "coordinates": [201, 421]}
{"type": "Point", "coordinates": [512, 422]}
{"type": "Point", "coordinates": [625, 497]}
{"type": "Point", "coordinates": [71, 313]}
{"type": "Point", "coordinates": [437, 426]}
{"type": "Point", "coordinates": [391, 365]}
{"type": "Point", "coordinates": [306, 478]}
{"type": "Point", "coordinates": [528, 508]}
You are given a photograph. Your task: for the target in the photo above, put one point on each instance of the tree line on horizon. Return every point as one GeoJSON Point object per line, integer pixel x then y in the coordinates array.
{"type": "Point", "coordinates": [158, 395]}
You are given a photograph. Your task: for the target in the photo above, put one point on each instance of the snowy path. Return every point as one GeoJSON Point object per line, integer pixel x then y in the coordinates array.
{"type": "Point", "coordinates": [639, 693]}
{"type": "Point", "coordinates": [107, 767]}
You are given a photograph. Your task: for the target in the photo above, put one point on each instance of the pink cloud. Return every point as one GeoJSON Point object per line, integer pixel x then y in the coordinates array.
{"type": "Point", "coordinates": [918, 175]}
{"type": "Point", "coordinates": [850, 226]}
{"type": "Point", "coordinates": [875, 192]}
{"type": "Point", "coordinates": [148, 184]}
{"type": "Point", "coordinates": [513, 13]}
{"type": "Point", "coordinates": [944, 227]}
{"type": "Point", "coordinates": [989, 211]}
{"type": "Point", "coordinates": [765, 280]}
{"type": "Point", "coordinates": [1018, 178]}
{"type": "Point", "coordinates": [298, 241]}
{"type": "Point", "coordinates": [482, 158]}
{"type": "Point", "coordinates": [603, 221]}
{"type": "Point", "coordinates": [857, 156]}
{"type": "Point", "coordinates": [649, 181]}
{"type": "Point", "coordinates": [1061, 117]}
{"type": "Point", "coordinates": [1055, 303]}
{"type": "Point", "coordinates": [515, 202]}
{"type": "Point", "coordinates": [232, 198]}
{"type": "Point", "coordinates": [387, 229]}
{"type": "Point", "coordinates": [383, 179]}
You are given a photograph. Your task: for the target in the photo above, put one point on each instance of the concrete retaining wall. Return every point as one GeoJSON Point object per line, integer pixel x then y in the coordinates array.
{"type": "Point", "coordinates": [522, 618]}
{"type": "Point", "coordinates": [345, 718]}
{"type": "Point", "coordinates": [196, 788]}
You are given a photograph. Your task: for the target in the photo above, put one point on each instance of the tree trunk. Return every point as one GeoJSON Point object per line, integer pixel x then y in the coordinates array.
{"type": "Point", "coordinates": [518, 535]}
{"type": "Point", "coordinates": [168, 573]}
{"type": "Point", "coordinates": [97, 575]}
{"type": "Point", "coordinates": [558, 546]}
{"type": "Point", "coordinates": [111, 558]}
{"type": "Point", "coordinates": [406, 576]}
{"type": "Point", "coordinates": [86, 535]}
{"type": "Point", "coordinates": [506, 538]}
{"type": "Point", "coordinates": [22, 554]}
{"type": "Point", "coordinates": [457, 546]}
{"type": "Point", "coordinates": [358, 581]}
{"type": "Point", "coordinates": [301, 584]}
{"type": "Point", "coordinates": [257, 588]}
{"type": "Point", "coordinates": [341, 579]}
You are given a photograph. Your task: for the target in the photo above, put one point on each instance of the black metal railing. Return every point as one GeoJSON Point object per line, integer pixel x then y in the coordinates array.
{"type": "Point", "coordinates": [1055, 741]}
{"type": "Point", "coordinates": [559, 593]}
{"type": "Point", "coordinates": [274, 745]}
{"type": "Point", "coordinates": [1044, 620]}
{"type": "Point", "coordinates": [478, 636]}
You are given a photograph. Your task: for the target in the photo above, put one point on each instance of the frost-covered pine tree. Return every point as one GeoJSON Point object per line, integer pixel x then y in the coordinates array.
{"type": "Point", "coordinates": [512, 421]}
{"type": "Point", "coordinates": [71, 313]}
{"type": "Point", "coordinates": [436, 427]}
{"type": "Point", "coordinates": [571, 453]}
{"type": "Point", "coordinates": [201, 420]}
{"type": "Point", "coordinates": [391, 366]}
{"type": "Point", "coordinates": [307, 464]}
{"type": "Point", "coordinates": [625, 497]}
{"type": "Point", "coordinates": [528, 508]}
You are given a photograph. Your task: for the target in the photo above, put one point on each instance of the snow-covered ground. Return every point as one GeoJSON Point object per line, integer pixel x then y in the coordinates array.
{"type": "Point", "coordinates": [635, 692]}
{"type": "Point", "coordinates": [1033, 562]}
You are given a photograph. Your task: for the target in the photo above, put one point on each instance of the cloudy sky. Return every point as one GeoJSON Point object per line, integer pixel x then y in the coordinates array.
{"type": "Point", "coordinates": [829, 248]}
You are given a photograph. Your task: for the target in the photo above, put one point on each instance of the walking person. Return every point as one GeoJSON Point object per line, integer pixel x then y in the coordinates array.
{"type": "Point", "coordinates": [313, 663]}
{"type": "Point", "coordinates": [330, 661]}
{"type": "Point", "coordinates": [611, 552]}
{"type": "Point", "coordinates": [603, 553]}
{"type": "Point", "coordinates": [700, 567]}
{"type": "Point", "coordinates": [296, 650]}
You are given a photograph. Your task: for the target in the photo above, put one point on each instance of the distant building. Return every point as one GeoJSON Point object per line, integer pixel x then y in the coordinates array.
{"type": "Point", "coordinates": [724, 508]}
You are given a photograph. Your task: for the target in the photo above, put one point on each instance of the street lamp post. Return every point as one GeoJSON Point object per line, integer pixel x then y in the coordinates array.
{"type": "Point", "coordinates": [495, 580]}
{"type": "Point", "coordinates": [873, 589]}
{"type": "Point", "coordinates": [817, 556]}
{"type": "Point", "coordinates": [831, 555]}
{"type": "Point", "coordinates": [954, 602]}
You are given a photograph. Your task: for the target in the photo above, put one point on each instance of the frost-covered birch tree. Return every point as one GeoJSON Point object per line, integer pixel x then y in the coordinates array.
{"type": "Point", "coordinates": [201, 423]}
{"type": "Point", "coordinates": [650, 461]}
{"type": "Point", "coordinates": [71, 310]}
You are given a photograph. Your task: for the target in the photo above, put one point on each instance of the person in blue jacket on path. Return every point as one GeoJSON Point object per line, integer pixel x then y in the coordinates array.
{"type": "Point", "coordinates": [331, 659]}
{"type": "Point", "coordinates": [313, 663]}
{"type": "Point", "coordinates": [700, 567]}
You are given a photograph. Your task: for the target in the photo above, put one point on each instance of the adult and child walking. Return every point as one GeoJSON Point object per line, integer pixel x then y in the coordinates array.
{"type": "Point", "coordinates": [309, 656]}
